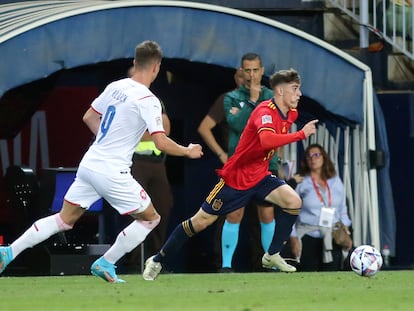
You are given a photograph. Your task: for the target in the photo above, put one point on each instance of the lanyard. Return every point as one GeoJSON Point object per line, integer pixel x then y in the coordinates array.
{"type": "Point", "coordinates": [320, 195]}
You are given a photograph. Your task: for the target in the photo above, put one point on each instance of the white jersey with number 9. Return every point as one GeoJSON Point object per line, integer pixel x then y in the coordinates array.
{"type": "Point", "coordinates": [128, 109]}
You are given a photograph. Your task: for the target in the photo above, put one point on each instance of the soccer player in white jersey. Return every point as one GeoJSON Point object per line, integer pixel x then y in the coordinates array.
{"type": "Point", "coordinates": [118, 117]}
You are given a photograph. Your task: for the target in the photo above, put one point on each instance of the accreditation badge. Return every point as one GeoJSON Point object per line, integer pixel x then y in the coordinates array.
{"type": "Point", "coordinates": [326, 218]}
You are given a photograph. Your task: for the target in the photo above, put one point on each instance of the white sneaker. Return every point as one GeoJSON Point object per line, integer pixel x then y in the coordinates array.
{"type": "Point", "coordinates": [275, 260]}
{"type": "Point", "coordinates": [152, 269]}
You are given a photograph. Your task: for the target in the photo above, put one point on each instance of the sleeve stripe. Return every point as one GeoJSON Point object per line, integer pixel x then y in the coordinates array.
{"type": "Point", "coordinates": [266, 129]}
{"type": "Point", "coordinates": [145, 97]}
{"type": "Point", "coordinates": [95, 110]}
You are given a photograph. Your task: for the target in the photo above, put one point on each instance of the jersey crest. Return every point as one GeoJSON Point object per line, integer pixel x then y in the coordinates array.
{"type": "Point", "coordinates": [217, 204]}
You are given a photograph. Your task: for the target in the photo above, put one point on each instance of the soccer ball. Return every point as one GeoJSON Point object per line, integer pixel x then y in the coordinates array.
{"type": "Point", "coordinates": [366, 260]}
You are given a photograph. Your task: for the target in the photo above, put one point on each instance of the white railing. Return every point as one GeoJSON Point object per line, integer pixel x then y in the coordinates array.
{"type": "Point", "coordinates": [391, 20]}
{"type": "Point", "coordinates": [362, 201]}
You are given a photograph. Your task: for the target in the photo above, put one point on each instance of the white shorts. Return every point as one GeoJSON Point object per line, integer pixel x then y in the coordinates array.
{"type": "Point", "coordinates": [121, 191]}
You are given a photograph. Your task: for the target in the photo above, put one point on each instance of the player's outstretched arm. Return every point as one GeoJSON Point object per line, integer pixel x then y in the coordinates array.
{"type": "Point", "coordinates": [269, 139]}
{"type": "Point", "coordinates": [310, 128]}
{"type": "Point", "coordinates": [169, 146]}
{"type": "Point", "coordinates": [194, 151]}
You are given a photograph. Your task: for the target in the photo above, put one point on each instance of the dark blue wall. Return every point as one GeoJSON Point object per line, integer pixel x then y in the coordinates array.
{"type": "Point", "coordinates": [398, 109]}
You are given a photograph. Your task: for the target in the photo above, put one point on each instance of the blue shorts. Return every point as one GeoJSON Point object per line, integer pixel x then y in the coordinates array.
{"type": "Point", "coordinates": [223, 199]}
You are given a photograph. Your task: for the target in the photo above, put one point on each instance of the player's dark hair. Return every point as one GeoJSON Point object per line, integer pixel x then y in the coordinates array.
{"type": "Point", "coordinates": [146, 53]}
{"type": "Point", "coordinates": [250, 57]}
{"type": "Point", "coordinates": [284, 76]}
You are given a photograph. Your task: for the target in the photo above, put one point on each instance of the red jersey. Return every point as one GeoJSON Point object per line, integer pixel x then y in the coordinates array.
{"type": "Point", "coordinates": [250, 162]}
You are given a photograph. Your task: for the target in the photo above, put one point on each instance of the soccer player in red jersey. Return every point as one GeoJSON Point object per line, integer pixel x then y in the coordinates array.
{"type": "Point", "coordinates": [245, 176]}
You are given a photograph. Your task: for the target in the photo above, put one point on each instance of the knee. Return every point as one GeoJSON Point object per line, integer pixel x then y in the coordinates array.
{"type": "Point", "coordinates": [199, 223]}
{"type": "Point", "coordinates": [293, 201]}
{"type": "Point", "coordinates": [266, 214]}
{"type": "Point", "coordinates": [294, 205]}
{"type": "Point", "coordinates": [236, 216]}
{"type": "Point", "coordinates": [150, 224]}
{"type": "Point", "coordinates": [64, 224]}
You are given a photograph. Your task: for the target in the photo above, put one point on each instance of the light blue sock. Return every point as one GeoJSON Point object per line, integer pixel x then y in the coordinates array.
{"type": "Point", "coordinates": [267, 234]}
{"type": "Point", "coordinates": [229, 240]}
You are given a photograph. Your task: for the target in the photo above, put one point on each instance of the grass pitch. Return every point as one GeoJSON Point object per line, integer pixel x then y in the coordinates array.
{"type": "Point", "coordinates": [388, 290]}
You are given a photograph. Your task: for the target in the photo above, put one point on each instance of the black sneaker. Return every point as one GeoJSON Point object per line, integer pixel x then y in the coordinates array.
{"type": "Point", "coordinates": [225, 270]}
